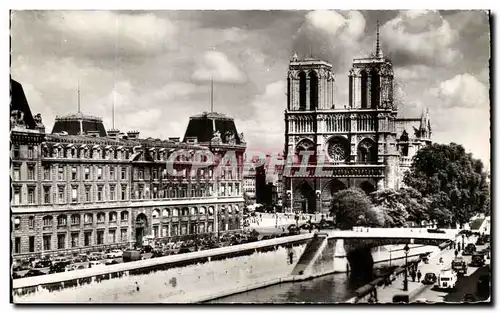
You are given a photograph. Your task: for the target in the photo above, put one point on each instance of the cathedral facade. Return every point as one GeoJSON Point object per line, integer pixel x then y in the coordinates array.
{"type": "Point", "coordinates": [330, 147]}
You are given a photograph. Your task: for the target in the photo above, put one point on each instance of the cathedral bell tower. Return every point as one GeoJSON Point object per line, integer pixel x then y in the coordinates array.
{"type": "Point", "coordinates": [371, 81]}
{"type": "Point", "coordinates": [310, 85]}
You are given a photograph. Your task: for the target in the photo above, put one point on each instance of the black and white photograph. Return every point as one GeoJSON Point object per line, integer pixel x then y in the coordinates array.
{"type": "Point", "coordinates": [250, 156]}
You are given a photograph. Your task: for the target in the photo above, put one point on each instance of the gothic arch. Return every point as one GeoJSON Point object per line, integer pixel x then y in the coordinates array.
{"type": "Point", "coordinates": [329, 190]}
{"type": "Point", "coordinates": [364, 90]}
{"type": "Point", "coordinates": [304, 198]}
{"type": "Point", "coordinates": [337, 149]}
{"type": "Point", "coordinates": [367, 151]}
{"type": "Point", "coordinates": [302, 91]}
{"type": "Point", "coordinates": [375, 89]}
{"type": "Point", "coordinates": [313, 90]}
{"type": "Point", "coordinates": [367, 187]}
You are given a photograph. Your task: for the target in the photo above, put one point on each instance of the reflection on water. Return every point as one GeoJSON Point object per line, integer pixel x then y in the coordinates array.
{"type": "Point", "coordinates": [326, 289]}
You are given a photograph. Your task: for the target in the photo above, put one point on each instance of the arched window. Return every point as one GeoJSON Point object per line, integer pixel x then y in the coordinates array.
{"type": "Point", "coordinates": [203, 210]}
{"type": "Point", "coordinates": [313, 91]}
{"type": "Point", "coordinates": [88, 218]}
{"type": "Point", "coordinates": [47, 221]}
{"type": "Point", "coordinates": [229, 209]}
{"type": "Point", "coordinates": [364, 90]}
{"type": "Point", "coordinates": [211, 210]}
{"type": "Point", "coordinates": [236, 209]}
{"type": "Point", "coordinates": [124, 216]}
{"type": "Point", "coordinates": [165, 212]}
{"type": "Point", "coordinates": [112, 216]}
{"type": "Point", "coordinates": [222, 210]}
{"type": "Point", "coordinates": [75, 219]}
{"type": "Point", "coordinates": [101, 217]}
{"type": "Point", "coordinates": [375, 89]}
{"type": "Point", "coordinates": [302, 91]}
{"type": "Point", "coordinates": [175, 212]}
{"type": "Point", "coordinates": [194, 211]}
{"type": "Point", "coordinates": [156, 213]}
{"type": "Point", "coordinates": [185, 212]}
{"type": "Point", "coordinates": [62, 220]}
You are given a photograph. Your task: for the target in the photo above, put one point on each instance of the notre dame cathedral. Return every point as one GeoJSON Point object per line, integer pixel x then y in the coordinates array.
{"type": "Point", "coordinates": [359, 144]}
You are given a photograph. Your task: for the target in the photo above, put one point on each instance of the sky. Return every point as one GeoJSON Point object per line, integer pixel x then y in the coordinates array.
{"type": "Point", "coordinates": [156, 66]}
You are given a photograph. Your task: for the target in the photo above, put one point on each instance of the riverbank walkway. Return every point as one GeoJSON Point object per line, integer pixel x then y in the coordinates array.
{"type": "Point", "coordinates": [386, 293]}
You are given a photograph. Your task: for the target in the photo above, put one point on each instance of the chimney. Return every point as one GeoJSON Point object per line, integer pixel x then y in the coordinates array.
{"type": "Point", "coordinates": [133, 135]}
{"type": "Point", "coordinates": [113, 133]}
{"type": "Point", "coordinates": [174, 139]}
{"type": "Point", "coordinates": [93, 133]}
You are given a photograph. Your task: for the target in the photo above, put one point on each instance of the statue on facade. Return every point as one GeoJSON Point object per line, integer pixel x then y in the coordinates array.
{"type": "Point", "coordinates": [38, 119]}
{"type": "Point", "coordinates": [216, 137]}
{"type": "Point", "coordinates": [242, 138]}
{"type": "Point", "coordinates": [17, 118]}
{"type": "Point", "coordinates": [230, 138]}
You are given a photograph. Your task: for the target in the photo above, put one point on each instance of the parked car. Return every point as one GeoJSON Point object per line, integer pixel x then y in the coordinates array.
{"type": "Point", "coordinates": [477, 260]}
{"type": "Point", "coordinates": [131, 255]}
{"type": "Point", "coordinates": [59, 267]}
{"type": "Point", "coordinates": [34, 272]}
{"type": "Point", "coordinates": [146, 249]}
{"type": "Point", "coordinates": [469, 249]}
{"type": "Point", "coordinates": [93, 264]}
{"type": "Point", "coordinates": [480, 241]}
{"type": "Point", "coordinates": [43, 263]}
{"type": "Point", "coordinates": [114, 254]}
{"type": "Point", "coordinates": [81, 258]}
{"type": "Point", "coordinates": [95, 256]}
{"type": "Point", "coordinates": [429, 279]}
{"type": "Point", "coordinates": [111, 262]}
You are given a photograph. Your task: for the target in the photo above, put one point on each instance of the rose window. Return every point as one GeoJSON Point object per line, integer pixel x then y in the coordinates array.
{"type": "Point", "coordinates": [337, 151]}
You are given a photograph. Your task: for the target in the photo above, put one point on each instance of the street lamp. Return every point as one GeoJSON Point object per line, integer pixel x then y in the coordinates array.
{"type": "Point", "coordinates": [405, 283]}
{"type": "Point", "coordinates": [463, 242]}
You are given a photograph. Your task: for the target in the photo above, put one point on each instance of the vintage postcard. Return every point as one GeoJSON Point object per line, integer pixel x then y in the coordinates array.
{"type": "Point", "coordinates": [329, 156]}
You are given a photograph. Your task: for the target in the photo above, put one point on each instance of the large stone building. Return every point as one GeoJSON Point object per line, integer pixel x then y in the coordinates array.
{"type": "Point", "coordinates": [362, 143]}
{"type": "Point", "coordinates": [82, 187]}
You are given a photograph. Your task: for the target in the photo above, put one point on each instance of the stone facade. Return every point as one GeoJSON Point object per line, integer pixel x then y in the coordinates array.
{"type": "Point", "coordinates": [361, 144]}
{"type": "Point", "coordinates": [72, 193]}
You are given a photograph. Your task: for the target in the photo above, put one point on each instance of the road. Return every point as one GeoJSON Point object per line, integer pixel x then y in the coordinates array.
{"type": "Point", "coordinates": [466, 284]}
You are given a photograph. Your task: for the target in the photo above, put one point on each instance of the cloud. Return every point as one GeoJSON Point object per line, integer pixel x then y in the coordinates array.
{"type": "Point", "coordinates": [92, 34]}
{"type": "Point", "coordinates": [464, 91]}
{"type": "Point", "coordinates": [264, 131]}
{"type": "Point", "coordinates": [420, 37]}
{"type": "Point", "coordinates": [216, 65]}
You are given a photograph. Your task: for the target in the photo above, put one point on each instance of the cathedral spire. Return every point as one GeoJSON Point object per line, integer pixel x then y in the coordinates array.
{"type": "Point", "coordinates": [378, 51]}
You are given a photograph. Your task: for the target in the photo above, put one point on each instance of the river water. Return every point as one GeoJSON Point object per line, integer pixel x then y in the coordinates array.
{"type": "Point", "coordinates": [326, 289]}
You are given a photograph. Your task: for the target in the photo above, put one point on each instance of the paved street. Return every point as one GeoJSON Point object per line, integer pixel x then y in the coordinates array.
{"type": "Point", "coordinates": [465, 285]}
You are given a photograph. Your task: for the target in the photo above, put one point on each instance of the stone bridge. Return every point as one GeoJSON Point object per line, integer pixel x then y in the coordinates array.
{"type": "Point", "coordinates": [353, 248]}
{"type": "Point", "coordinates": [205, 275]}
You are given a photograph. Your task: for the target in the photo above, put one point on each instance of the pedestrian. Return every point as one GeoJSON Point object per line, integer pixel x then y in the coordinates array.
{"type": "Point", "coordinates": [456, 253]}
{"type": "Point", "coordinates": [413, 276]}
{"type": "Point", "coordinates": [419, 275]}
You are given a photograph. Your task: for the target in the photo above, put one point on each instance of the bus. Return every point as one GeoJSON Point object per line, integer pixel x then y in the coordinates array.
{"type": "Point", "coordinates": [459, 265]}
{"type": "Point", "coordinates": [447, 279]}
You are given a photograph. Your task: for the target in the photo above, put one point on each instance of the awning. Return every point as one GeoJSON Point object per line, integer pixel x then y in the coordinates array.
{"type": "Point", "coordinates": [211, 210]}
{"type": "Point", "coordinates": [70, 145]}
{"type": "Point", "coordinates": [162, 149]}
{"type": "Point", "coordinates": [83, 146]}
{"type": "Point", "coordinates": [96, 147]}
{"type": "Point", "coordinates": [108, 147]}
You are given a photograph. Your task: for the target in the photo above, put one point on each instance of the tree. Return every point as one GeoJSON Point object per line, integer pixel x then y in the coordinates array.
{"type": "Point", "coordinates": [454, 182]}
{"type": "Point", "coordinates": [389, 202]}
{"type": "Point", "coordinates": [352, 207]}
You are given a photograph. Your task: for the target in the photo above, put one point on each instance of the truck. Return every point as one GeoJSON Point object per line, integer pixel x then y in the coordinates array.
{"type": "Point", "coordinates": [447, 279]}
{"type": "Point", "coordinates": [459, 265]}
